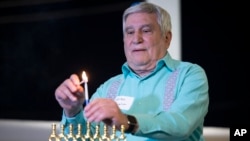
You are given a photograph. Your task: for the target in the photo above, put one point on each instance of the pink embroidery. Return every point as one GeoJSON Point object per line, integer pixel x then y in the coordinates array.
{"type": "Point", "coordinates": [113, 89]}
{"type": "Point", "coordinates": [169, 91]}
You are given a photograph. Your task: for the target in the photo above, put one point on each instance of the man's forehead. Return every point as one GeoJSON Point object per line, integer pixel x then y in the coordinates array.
{"type": "Point", "coordinates": [140, 20]}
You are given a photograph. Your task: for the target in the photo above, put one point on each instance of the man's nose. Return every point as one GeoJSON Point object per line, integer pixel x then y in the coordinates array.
{"type": "Point", "coordinates": [137, 38]}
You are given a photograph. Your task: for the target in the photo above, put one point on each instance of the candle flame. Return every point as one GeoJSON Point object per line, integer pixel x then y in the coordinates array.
{"type": "Point", "coordinates": [84, 76]}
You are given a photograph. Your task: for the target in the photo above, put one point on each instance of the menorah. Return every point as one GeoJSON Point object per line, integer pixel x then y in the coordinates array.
{"type": "Point", "coordinates": [88, 136]}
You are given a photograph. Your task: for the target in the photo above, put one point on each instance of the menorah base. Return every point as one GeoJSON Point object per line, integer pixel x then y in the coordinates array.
{"type": "Point", "coordinates": [88, 136]}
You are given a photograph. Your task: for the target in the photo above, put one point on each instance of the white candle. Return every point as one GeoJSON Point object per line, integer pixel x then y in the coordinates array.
{"type": "Point", "coordinates": [85, 80]}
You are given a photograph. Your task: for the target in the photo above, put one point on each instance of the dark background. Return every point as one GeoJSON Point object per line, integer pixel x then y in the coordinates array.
{"type": "Point", "coordinates": [43, 42]}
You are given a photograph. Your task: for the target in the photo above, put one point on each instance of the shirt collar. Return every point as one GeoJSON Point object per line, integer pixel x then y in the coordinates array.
{"type": "Point", "coordinates": [166, 61]}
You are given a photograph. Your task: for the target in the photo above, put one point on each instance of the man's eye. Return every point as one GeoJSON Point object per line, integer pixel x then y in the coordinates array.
{"type": "Point", "coordinates": [130, 32]}
{"type": "Point", "coordinates": [146, 30]}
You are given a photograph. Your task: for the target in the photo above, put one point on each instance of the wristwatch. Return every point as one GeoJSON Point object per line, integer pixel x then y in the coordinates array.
{"type": "Point", "coordinates": [132, 124]}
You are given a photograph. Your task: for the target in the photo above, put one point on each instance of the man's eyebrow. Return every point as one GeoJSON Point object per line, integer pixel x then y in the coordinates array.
{"type": "Point", "coordinates": [146, 25]}
{"type": "Point", "coordinates": [142, 26]}
{"type": "Point", "coordinates": [128, 27]}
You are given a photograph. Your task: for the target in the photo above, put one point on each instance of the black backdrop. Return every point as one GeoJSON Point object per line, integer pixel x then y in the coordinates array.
{"type": "Point", "coordinates": [214, 35]}
{"type": "Point", "coordinates": [41, 44]}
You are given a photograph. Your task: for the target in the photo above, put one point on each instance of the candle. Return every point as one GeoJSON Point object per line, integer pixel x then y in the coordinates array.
{"type": "Point", "coordinates": [85, 80]}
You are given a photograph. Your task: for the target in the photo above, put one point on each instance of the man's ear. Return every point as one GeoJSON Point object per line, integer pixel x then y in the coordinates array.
{"type": "Point", "coordinates": [168, 37]}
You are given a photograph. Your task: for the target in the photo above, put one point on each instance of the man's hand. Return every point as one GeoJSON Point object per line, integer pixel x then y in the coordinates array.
{"type": "Point", "coordinates": [70, 95]}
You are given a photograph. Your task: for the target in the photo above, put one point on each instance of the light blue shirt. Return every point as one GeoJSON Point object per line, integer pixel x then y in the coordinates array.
{"type": "Point", "coordinates": [170, 103]}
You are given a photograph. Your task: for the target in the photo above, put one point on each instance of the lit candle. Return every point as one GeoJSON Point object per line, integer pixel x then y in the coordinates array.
{"type": "Point", "coordinates": [85, 80]}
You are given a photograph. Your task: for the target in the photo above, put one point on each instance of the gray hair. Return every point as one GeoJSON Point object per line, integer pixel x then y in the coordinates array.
{"type": "Point", "coordinates": [163, 17]}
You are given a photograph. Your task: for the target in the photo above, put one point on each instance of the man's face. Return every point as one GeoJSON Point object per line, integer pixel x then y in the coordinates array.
{"type": "Point", "coordinates": [144, 43]}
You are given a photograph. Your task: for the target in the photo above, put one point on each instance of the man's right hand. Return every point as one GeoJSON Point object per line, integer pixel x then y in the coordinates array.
{"type": "Point", "coordinates": [70, 95]}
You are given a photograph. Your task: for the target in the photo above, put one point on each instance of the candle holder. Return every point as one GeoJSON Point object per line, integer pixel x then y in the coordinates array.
{"type": "Point", "coordinates": [53, 136]}
{"type": "Point", "coordinates": [98, 135]}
